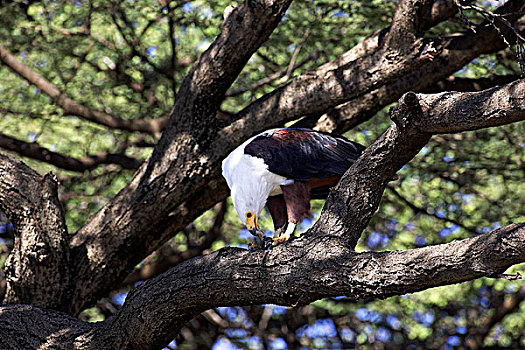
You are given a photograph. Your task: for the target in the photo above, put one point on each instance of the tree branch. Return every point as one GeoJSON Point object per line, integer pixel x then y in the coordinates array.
{"type": "Point", "coordinates": [492, 107]}
{"type": "Point", "coordinates": [407, 23]}
{"type": "Point", "coordinates": [238, 277]}
{"type": "Point", "coordinates": [297, 273]}
{"type": "Point", "coordinates": [355, 199]}
{"type": "Point", "coordinates": [315, 92]}
{"type": "Point", "coordinates": [40, 253]}
{"type": "Point", "coordinates": [108, 245]}
{"type": "Point", "coordinates": [86, 163]}
{"type": "Point", "coordinates": [151, 126]}
{"type": "Point", "coordinates": [48, 327]}
{"type": "Point", "coordinates": [455, 51]}
{"type": "Point", "coordinates": [440, 11]}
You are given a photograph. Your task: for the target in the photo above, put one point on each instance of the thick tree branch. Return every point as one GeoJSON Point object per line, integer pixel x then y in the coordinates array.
{"type": "Point", "coordinates": [454, 52]}
{"type": "Point", "coordinates": [86, 163]}
{"type": "Point", "coordinates": [287, 275]}
{"type": "Point", "coordinates": [428, 15]}
{"type": "Point", "coordinates": [356, 197]}
{"type": "Point", "coordinates": [152, 126]}
{"type": "Point", "coordinates": [408, 22]}
{"type": "Point", "coordinates": [297, 273]}
{"type": "Point", "coordinates": [440, 11]}
{"type": "Point", "coordinates": [473, 110]}
{"type": "Point", "coordinates": [48, 328]}
{"type": "Point", "coordinates": [109, 245]}
{"type": "Point", "coordinates": [40, 253]}
{"type": "Point", "coordinates": [317, 91]}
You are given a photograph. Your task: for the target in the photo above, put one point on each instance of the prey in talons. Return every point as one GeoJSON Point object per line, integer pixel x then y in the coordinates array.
{"type": "Point", "coordinates": [265, 243]}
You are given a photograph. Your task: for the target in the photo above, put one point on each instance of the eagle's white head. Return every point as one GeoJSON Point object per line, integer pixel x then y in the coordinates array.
{"type": "Point", "coordinates": [250, 183]}
{"type": "Point", "coordinates": [249, 191]}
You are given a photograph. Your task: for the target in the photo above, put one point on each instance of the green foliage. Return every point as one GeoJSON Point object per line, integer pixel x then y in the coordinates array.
{"type": "Point", "coordinates": [458, 186]}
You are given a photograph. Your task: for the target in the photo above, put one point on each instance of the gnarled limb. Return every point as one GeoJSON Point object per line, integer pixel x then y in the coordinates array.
{"type": "Point", "coordinates": [416, 118]}
{"type": "Point", "coordinates": [454, 52]}
{"type": "Point", "coordinates": [89, 162]}
{"type": "Point", "coordinates": [38, 267]}
{"type": "Point", "coordinates": [296, 273]}
{"type": "Point", "coordinates": [308, 269]}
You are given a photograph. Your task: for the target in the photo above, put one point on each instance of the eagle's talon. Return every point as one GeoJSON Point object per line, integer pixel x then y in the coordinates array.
{"type": "Point", "coordinates": [282, 238]}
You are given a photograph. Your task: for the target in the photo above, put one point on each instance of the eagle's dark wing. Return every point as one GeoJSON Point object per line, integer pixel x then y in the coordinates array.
{"type": "Point", "coordinates": [301, 154]}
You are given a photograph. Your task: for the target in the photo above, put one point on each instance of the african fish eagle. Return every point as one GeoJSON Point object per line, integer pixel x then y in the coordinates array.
{"type": "Point", "coordinates": [283, 169]}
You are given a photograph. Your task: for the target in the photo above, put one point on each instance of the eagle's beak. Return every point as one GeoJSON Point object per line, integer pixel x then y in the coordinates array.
{"type": "Point", "coordinates": [252, 224]}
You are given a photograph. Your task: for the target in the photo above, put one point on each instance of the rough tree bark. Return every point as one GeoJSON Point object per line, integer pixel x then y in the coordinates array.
{"type": "Point", "coordinates": [182, 178]}
{"type": "Point", "coordinates": [41, 240]}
